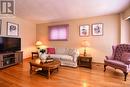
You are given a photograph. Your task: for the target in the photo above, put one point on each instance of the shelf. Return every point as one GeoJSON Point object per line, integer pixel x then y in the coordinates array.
{"type": "Point", "coordinates": [85, 61]}
{"type": "Point", "coordinates": [9, 59]}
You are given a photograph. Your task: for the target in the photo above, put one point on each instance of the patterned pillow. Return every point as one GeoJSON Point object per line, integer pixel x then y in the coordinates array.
{"type": "Point", "coordinates": [71, 51]}
{"type": "Point", "coordinates": [125, 57]}
{"type": "Point", "coordinates": [50, 50]}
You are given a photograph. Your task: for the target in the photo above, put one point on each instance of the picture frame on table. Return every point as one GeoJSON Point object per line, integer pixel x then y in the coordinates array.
{"type": "Point", "coordinates": [97, 29]}
{"type": "Point", "coordinates": [84, 30]}
{"type": "Point", "coordinates": [12, 29]}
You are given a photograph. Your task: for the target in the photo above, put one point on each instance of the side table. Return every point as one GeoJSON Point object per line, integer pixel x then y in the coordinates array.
{"type": "Point", "coordinates": [35, 54]}
{"type": "Point", "coordinates": [85, 61]}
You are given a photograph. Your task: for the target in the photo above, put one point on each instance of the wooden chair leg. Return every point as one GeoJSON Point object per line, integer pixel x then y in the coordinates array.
{"type": "Point", "coordinates": [125, 74]}
{"type": "Point", "coordinates": [105, 68]}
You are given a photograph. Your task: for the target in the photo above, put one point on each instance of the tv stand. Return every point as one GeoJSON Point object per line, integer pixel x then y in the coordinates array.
{"type": "Point", "coordinates": [10, 58]}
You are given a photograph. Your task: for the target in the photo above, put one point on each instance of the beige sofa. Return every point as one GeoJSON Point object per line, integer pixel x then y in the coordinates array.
{"type": "Point", "coordinates": [67, 56]}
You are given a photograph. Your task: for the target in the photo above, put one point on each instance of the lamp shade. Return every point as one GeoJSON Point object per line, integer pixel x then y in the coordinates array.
{"type": "Point", "coordinates": [85, 43]}
{"type": "Point", "coordinates": [38, 43]}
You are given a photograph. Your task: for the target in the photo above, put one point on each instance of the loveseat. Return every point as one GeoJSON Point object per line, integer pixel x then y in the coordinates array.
{"type": "Point", "coordinates": [67, 56]}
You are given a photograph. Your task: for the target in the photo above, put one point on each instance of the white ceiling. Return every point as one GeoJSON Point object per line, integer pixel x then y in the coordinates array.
{"type": "Point", "coordinates": [41, 11]}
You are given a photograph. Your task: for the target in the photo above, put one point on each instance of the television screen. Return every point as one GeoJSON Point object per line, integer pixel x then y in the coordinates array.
{"type": "Point", "coordinates": [10, 44]}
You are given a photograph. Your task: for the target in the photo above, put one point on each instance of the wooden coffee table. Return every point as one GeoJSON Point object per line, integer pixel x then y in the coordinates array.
{"type": "Point", "coordinates": [49, 66]}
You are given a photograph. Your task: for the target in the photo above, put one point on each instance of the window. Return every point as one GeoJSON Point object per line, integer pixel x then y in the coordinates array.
{"type": "Point", "coordinates": [58, 32]}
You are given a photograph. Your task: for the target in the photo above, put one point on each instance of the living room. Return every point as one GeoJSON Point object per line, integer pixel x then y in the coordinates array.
{"type": "Point", "coordinates": [33, 19]}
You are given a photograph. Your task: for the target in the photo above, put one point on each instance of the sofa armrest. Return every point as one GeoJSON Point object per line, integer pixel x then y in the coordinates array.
{"type": "Point", "coordinates": [75, 56]}
{"type": "Point", "coordinates": [128, 62]}
{"type": "Point", "coordinates": [109, 57]}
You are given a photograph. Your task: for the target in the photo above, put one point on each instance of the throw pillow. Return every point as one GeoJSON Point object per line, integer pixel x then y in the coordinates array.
{"type": "Point", "coordinates": [50, 50]}
{"type": "Point", "coordinates": [71, 52]}
{"type": "Point", "coordinates": [125, 57]}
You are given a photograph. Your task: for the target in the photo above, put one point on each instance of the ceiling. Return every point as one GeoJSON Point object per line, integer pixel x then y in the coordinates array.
{"type": "Point", "coordinates": [43, 11]}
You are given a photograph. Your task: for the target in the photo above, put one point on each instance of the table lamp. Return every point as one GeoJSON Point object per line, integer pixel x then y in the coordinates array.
{"type": "Point", "coordinates": [85, 44]}
{"type": "Point", "coordinates": [38, 44]}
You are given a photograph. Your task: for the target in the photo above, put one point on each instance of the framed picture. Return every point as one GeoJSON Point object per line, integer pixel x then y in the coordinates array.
{"type": "Point", "coordinates": [97, 29]}
{"type": "Point", "coordinates": [84, 30]}
{"type": "Point", "coordinates": [0, 26]}
{"type": "Point", "coordinates": [12, 29]}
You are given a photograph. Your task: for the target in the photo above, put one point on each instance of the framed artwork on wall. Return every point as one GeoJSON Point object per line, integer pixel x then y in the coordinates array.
{"type": "Point", "coordinates": [0, 26]}
{"type": "Point", "coordinates": [84, 30]}
{"type": "Point", "coordinates": [12, 29]}
{"type": "Point", "coordinates": [97, 29]}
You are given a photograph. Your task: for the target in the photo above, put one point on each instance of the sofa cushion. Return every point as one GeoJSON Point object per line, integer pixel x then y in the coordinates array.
{"type": "Point", "coordinates": [55, 56]}
{"type": "Point", "coordinates": [66, 58]}
{"type": "Point", "coordinates": [62, 57]}
{"type": "Point", "coordinates": [60, 50]}
{"type": "Point", "coordinates": [50, 50]}
{"type": "Point", "coordinates": [117, 64]}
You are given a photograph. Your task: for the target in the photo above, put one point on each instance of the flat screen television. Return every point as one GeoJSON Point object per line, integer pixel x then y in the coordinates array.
{"type": "Point", "coordinates": [10, 44]}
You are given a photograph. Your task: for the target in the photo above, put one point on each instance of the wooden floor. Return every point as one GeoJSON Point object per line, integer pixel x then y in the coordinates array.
{"type": "Point", "coordinates": [18, 76]}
